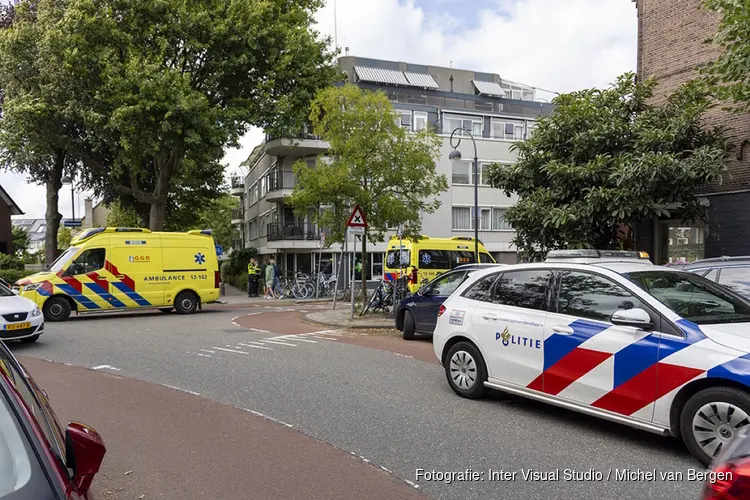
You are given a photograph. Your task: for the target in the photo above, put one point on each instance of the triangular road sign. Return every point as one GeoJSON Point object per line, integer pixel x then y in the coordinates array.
{"type": "Point", "coordinates": [357, 218]}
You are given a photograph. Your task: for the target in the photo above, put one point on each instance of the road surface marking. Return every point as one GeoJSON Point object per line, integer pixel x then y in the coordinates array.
{"type": "Point", "coordinates": [204, 355]}
{"type": "Point", "coordinates": [328, 332]}
{"type": "Point", "coordinates": [253, 342]}
{"type": "Point", "coordinates": [297, 339]}
{"type": "Point", "coordinates": [411, 483]}
{"type": "Point", "coordinates": [259, 330]}
{"type": "Point", "coordinates": [280, 343]}
{"type": "Point", "coordinates": [179, 389]}
{"type": "Point", "coordinates": [228, 350]}
{"type": "Point", "coordinates": [254, 346]}
{"type": "Point", "coordinates": [303, 311]}
{"type": "Point", "coordinates": [389, 471]}
{"type": "Point", "coordinates": [404, 355]}
{"type": "Point", "coordinates": [268, 418]}
{"type": "Point", "coordinates": [208, 350]}
{"type": "Point", "coordinates": [102, 367]}
{"type": "Point", "coordinates": [318, 337]}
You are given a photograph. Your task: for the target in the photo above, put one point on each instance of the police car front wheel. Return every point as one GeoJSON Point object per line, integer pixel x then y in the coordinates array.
{"type": "Point", "coordinates": [711, 418]}
{"type": "Point", "coordinates": [466, 371]}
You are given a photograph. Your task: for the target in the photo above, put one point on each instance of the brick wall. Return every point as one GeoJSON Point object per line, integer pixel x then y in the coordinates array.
{"type": "Point", "coordinates": [671, 43]}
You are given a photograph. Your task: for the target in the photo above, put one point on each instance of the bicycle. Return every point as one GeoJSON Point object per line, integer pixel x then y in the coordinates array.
{"type": "Point", "coordinates": [382, 299]}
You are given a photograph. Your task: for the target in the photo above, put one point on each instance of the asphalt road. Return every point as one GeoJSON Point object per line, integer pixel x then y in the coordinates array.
{"type": "Point", "coordinates": [395, 411]}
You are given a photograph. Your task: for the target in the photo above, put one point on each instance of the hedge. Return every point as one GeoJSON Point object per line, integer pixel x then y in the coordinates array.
{"type": "Point", "coordinates": [13, 275]}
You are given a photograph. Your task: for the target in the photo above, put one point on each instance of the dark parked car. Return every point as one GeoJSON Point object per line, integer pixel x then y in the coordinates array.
{"type": "Point", "coordinates": [417, 314]}
{"type": "Point", "coordinates": [728, 477]}
{"type": "Point", "coordinates": [38, 461]}
{"type": "Point", "coordinates": [733, 272]}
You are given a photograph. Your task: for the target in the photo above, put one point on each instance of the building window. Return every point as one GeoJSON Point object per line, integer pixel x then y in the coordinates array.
{"type": "Point", "coordinates": [420, 120]}
{"type": "Point", "coordinates": [499, 223]}
{"type": "Point", "coordinates": [466, 122]}
{"type": "Point", "coordinates": [463, 218]}
{"type": "Point", "coordinates": [461, 172]}
{"type": "Point", "coordinates": [403, 118]}
{"type": "Point", "coordinates": [509, 130]}
{"type": "Point", "coordinates": [253, 229]}
{"type": "Point", "coordinates": [377, 264]}
{"type": "Point", "coordinates": [530, 127]}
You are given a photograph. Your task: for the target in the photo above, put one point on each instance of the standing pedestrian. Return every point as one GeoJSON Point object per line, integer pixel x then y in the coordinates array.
{"type": "Point", "coordinates": [253, 275]}
{"type": "Point", "coordinates": [270, 294]}
{"type": "Point", "coordinates": [276, 279]}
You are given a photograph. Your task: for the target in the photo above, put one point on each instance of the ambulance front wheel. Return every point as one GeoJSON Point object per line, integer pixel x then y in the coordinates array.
{"type": "Point", "coordinates": [186, 303]}
{"type": "Point", "coordinates": [56, 309]}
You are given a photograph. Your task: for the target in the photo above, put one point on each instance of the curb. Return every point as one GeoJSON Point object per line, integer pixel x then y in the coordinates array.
{"type": "Point", "coordinates": [348, 324]}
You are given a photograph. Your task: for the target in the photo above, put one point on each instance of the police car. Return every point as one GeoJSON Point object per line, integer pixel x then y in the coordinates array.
{"type": "Point", "coordinates": [607, 334]}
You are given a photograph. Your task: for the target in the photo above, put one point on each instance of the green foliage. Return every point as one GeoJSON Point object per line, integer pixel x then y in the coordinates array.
{"type": "Point", "coordinates": [606, 159]}
{"type": "Point", "coordinates": [21, 240]}
{"type": "Point", "coordinates": [238, 261]}
{"type": "Point", "coordinates": [164, 86]}
{"type": "Point", "coordinates": [122, 216]}
{"type": "Point", "coordinates": [11, 262]}
{"type": "Point", "coordinates": [64, 236]}
{"type": "Point", "coordinates": [374, 163]}
{"type": "Point", "coordinates": [729, 74]}
{"type": "Point", "coordinates": [13, 275]}
{"type": "Point", "coordinates": [217, 215]}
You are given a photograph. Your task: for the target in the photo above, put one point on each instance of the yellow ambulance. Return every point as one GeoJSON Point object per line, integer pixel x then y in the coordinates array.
{"type": "Point", "coordinates": [425, 259]}
{"type": "Point", "coordinates": [107, 269]}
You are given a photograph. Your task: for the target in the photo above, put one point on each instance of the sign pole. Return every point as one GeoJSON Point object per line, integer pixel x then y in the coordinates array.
{"type": "Point", "coordinates": [353, 274]}
{"type": "Point", "coordinates": [338, 270]}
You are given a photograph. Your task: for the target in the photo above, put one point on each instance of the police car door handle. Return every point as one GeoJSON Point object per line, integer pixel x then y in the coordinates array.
{"type": "Point", "coordinates": [562, 329]}
{"type": "Point", "coordinates": [490, 317]}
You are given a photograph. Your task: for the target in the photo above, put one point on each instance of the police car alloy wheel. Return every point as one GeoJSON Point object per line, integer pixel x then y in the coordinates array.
{"type": "Point", "coordinates": [466, 371]}
{"type": "Point", "coordinates": [711, 419]}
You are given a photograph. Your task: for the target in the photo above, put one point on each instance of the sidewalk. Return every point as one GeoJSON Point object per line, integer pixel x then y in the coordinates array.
{"type": "Point", "coordinates": [341, 316]}
{"type": "Point", "coordinates": [234, 296]}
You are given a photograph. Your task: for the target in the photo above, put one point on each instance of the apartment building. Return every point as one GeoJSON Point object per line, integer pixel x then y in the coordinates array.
{"type": "Point", "coordinates": [671, 45]}
{"type": "Point", "coordinates": [498, 113]}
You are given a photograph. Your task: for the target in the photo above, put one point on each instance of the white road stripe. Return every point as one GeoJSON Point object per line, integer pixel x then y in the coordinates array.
{"type": "Point", "coordinates": [254, 346]}
{"type": "Point", "coordinates": [280, 343]}
{"type": "Point", "coordinates": [303, 311]}
{"type": "Point", "coordinates": [228, 350]}
{"type": "Point", "coordinates": [204, 355]}
{"type": "Point", "coordinates": [321, 338]}
{"type": "Point", "coordinates": [108, 367]}
{"type": "Point", "coordinates": [179, 389]}
{"type": "Point", "coordinates": [297, 339]}
{"type": "Point", "coordinates": [208, 350]}
{"type": "Point", "coordinates": [259, 330]}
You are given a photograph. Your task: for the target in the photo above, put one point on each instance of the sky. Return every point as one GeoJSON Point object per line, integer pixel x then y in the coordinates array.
{"type": "Point", "coordinates": [550, 44]}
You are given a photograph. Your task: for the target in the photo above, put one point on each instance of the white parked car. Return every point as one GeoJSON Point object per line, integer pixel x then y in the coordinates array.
{"type": "Point", "coordinates": [607, 334]}
{"type": "Point", "coordinates": [20, 318]}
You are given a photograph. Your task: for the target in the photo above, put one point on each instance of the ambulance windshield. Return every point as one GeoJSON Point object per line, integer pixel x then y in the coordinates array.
{"type": "Point", "coordinates": [63, 260]}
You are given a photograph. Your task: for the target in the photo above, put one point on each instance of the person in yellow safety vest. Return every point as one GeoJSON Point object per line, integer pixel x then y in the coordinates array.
{"type": "Point", "coordinates": [253, 274]}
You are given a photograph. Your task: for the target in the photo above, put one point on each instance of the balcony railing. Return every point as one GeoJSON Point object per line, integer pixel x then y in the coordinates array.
{"type": "Point", "coordinates": [237, 182]}
{"type": "Point", "coordinates": [238, 213]}
{"type": "Point", "coordinates": [293, 231]}
{"type": "Point", "coordinates": [280, 179]}
{"type": "Point", "coordinates": [293, 135]}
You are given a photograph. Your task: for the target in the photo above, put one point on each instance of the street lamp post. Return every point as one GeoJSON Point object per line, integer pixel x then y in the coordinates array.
{"type": "Point", "coordinates": [69, 180]}
{"type": "Point", "coordinates": [455, 156]}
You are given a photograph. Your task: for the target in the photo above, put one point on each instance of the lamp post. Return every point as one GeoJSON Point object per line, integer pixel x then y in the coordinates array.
{"type": "Point", "coordinates": [69, 180]}
{"type": "Point", "coordinates": [455, 157]}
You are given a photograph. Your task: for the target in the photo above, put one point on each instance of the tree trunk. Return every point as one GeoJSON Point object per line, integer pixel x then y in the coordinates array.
{"type": "Point", "coordinates": [364, 267]}
{"type": "Point", "coordinates": [52, 216]}
{"type": "Point", "coordinates": [156, 216]}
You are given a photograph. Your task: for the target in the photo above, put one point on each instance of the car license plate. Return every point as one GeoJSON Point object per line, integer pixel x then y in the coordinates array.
{"type": "Point", "coordinates": [18, 326]}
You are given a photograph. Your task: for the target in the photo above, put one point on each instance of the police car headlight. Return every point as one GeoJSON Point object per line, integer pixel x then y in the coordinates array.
{"type": "Point", "coordinates": [36, 313]}
{"type": "Point", "coordinates": [32, 287]}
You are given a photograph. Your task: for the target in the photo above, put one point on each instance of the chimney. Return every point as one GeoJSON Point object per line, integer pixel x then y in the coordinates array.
{"type": "Point", "coordinates": [88, 220]}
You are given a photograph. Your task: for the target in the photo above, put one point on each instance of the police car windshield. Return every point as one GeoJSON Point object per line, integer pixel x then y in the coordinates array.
{"type": "Point", "coordinates": [693, 297]}
{"type": "Point", "coordinates": [63, 260]}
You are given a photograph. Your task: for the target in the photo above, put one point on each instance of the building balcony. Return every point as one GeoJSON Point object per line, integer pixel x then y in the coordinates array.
{"type": "Point", "coordinates": [295, 231]}
{"type": "Point", "coordinates": [296, 144]}
{"type": "Point", "coordinates": [238, 216]}
{"type": "Point", "coordinates": [237, 185]}
{"type": "Point", "coordinates": [280, 185]}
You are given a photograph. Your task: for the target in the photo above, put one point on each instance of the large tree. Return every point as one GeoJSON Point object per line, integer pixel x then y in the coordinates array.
{"type": "Point", "coordinates": [607, 159]}
{"type": "Point", "coordinates": [164, 86]}
{"type": "Point", "coordinates": [372, 162]}
{"type": "Point", "coordinates": [729, 73]}
{"type": "Point", "coordinates": [36, 131]}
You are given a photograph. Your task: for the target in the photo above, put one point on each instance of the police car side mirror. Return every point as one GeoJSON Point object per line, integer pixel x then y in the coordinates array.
{"type": "Point", "coordinates": [636, 317]}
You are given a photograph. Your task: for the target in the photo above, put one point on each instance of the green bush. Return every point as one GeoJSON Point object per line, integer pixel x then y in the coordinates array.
{"type": "Point", "coordinates": [13, 275]}
{"type": "Point", "coordinates": [10, 262]}
{"type": "Point", "coordinates": [237, 263]}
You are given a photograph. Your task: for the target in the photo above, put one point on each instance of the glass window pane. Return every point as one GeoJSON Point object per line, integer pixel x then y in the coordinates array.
{"type": "Point", "coordinates": [736, 278]}
{"type": "Point", "coordinates": [482, 289]}
{"type": "Point", "coordinates": [461, 218]}
{"type": "Point", "coordinates": [593, 297]}
{"type": "Point", "coordinates": [498, 220]}
{"type": "Point", "coordinates": [460, 172]}
{"type": "Point", "coordinates": [434, 259]}
{"type": "Point", "coordinates": [447, 283]}
{"type": "Point", "coordinates": [526, 289]}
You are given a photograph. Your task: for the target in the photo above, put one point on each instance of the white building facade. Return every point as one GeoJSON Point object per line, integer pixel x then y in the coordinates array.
{"type": "Point", "coordinates": [497, 112]}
